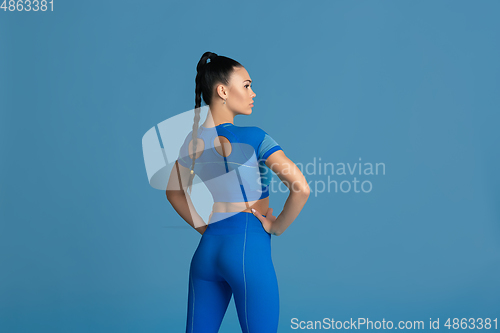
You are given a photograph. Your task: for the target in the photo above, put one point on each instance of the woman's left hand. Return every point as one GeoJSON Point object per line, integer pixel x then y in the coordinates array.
{"type": "Point", "coordinates": [267, 220]}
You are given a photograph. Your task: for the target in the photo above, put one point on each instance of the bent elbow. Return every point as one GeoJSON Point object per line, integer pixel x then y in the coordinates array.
{"type": "Point", "coordinates": [300, 188]}
{"type": "Point", "coordinates": [276, 233]}
{"type": "Point", "coordinates": [305, 190]}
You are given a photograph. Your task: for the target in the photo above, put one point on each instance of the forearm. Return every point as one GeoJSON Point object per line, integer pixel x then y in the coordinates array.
{"type": "Point", "coordinates": [293, 205]}
{"type": "Point", "coordinates": [185, 208]}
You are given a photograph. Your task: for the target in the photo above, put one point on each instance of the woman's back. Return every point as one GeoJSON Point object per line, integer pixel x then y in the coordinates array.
{"type": "Point", "coordinates": [230, 160]}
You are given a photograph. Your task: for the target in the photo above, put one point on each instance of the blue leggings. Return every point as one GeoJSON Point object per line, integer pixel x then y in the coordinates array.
{"type": "Point", "coordinates": [233, 257]}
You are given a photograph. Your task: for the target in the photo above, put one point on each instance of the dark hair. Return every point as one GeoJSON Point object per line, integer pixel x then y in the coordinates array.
{"type": "Point", "coordinates": [217, 71]}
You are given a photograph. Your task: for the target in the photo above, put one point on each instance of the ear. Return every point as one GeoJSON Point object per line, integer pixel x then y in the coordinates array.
{"type": "Point", "coordinates": [221, 91]}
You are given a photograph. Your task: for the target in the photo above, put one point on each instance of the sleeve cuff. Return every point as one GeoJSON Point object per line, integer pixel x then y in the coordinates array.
{"type": "Point", "coordinates": [270, 151]}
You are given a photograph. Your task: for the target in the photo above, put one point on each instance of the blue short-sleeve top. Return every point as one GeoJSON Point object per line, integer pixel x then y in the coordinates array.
{"type": "Point", "coordinates": [240, 176]}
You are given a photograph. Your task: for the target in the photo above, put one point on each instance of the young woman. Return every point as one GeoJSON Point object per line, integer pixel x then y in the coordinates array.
{"type": "Point", "coordinates": [234, 253]}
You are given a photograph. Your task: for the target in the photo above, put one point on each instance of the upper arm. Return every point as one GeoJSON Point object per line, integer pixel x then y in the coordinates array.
{"type": "Point", "coordinates": [266, 147]}
{"type": "Point", "coordinates": [179, 178]}
{"type": "Point", "coordinates": [179, 175]}
{"type": "Point", "coordinates": [287, 171]}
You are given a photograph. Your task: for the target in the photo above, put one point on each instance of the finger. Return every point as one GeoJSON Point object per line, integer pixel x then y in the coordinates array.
{"type": "Point", "coordinates": [256, 213]}
{"type": "Point", "coordinates": [269, 211]}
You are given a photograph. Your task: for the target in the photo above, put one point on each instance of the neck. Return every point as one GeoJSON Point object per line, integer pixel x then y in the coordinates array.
{"type": "Point", "coordinates": [215, 118]}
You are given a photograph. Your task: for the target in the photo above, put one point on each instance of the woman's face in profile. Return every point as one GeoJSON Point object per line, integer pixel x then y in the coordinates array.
{"type": "Point", "coordinates": [240, 94]}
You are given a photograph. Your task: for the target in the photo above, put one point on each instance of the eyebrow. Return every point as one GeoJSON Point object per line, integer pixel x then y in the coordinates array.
{"type": "Point", "coordinates": [248, 81]}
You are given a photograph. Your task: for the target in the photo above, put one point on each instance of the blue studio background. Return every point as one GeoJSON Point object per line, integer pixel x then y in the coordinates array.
{"type": "Point", "coordinates": [87, 245]}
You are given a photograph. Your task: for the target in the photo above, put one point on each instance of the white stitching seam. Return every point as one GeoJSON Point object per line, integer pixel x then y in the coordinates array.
{"type": "Point", "coordinates": [244, 279]}
{"type": "Point", "coordinates": [192, 317]}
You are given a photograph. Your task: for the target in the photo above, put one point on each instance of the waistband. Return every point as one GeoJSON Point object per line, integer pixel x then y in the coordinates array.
{"type": "Point", "coordinates": [233, 223]}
